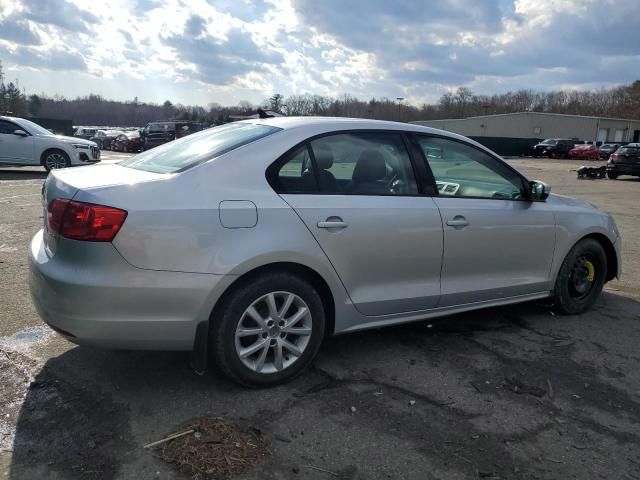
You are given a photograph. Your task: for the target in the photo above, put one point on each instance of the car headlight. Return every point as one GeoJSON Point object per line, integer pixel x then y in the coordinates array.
{"type": "Point", "coordinates": [81, 146]}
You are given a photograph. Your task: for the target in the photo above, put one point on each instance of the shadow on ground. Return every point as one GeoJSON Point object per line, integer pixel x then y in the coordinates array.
{"type": "Point", "coordinates": [506, 392]}
{"type": "Point", "coordinates": [17, 174]}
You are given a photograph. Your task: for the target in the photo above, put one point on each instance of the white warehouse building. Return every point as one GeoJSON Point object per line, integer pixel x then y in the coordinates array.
{"type": "Point", "coordinates": [512, 131]}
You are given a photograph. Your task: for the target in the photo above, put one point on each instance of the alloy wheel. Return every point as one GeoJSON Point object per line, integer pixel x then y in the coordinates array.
{"type": "Point", "coordinates": [273, 332]}
{"type": "Point", "coordinates": [55, 160]}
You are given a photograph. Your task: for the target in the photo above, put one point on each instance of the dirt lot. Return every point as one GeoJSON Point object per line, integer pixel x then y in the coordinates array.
{"type": "Point", "coordinates": [501, 393]}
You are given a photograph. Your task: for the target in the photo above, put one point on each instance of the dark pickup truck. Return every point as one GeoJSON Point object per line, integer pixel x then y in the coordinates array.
{"type": "Point", "coordinates": [157, 133]}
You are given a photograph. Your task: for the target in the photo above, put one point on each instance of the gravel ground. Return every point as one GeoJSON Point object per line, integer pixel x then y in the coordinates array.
{"type": "Point", "coordinates": [512, 392]}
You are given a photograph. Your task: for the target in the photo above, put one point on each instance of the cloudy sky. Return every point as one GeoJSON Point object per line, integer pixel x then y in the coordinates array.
{"type": "Point", "coordinates": [225, 51]}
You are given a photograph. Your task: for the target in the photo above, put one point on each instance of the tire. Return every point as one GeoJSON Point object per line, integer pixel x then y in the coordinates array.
{"type": "Point", "coordinates": [612, 176]}
{"type": "Point", "coordinates": [233, 316]}
{"type": "Point", "coordinates": [54, 159]}
{"type": "Point", "coordinates": [585, 267]}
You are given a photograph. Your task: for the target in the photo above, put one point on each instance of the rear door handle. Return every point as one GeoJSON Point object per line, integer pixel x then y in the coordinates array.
{"type": "Point", "coordinates": [458, 222]}
{"type": "Point", "coordinates": [333, 222]}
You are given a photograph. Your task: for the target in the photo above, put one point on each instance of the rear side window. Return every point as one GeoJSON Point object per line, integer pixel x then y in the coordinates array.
{"type": "Point", "coordinates": [189, 151]}
{"type": "Point", "coordinates": [363, 164]}
{"type": "Point", "coordinates": [297, 175]}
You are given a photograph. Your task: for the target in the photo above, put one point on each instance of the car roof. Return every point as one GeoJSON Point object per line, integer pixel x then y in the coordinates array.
{"type": "Point", "coordinates": [337, 122]}
{"type": "Point", "coordinates": [323, 125]}
{"type": "Point", "coordinates": [10, 119]}
{"type": "Point", "coordinates": [328, 124]}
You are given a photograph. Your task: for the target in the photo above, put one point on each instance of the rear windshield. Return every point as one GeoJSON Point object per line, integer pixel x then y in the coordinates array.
{"type": "Point", "coordinates": [189, 151]}
{"type": "Point", "coordinates": [629, 150]}
{"type": "Point", "coordinates": [549, 142]}
{"type": "Point", "coordinates": [161, 127]}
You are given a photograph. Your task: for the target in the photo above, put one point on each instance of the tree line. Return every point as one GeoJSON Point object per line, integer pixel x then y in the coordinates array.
{"type": "Point", "coordinates": [622, 101]}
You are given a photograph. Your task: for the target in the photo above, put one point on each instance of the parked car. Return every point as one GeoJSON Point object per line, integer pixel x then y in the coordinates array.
{"type": "Point", "coordinates": [607, 149]}
{"type": "Point", "coordinates": [85, 132]}
{"type": "Point", "coordinates": [23, 142]}
{"type": "Point", "coordinates": [585, 151]}
{"type": "Point", "coordinates": [157, 133]}
{"type": "Point", "coordinates": [251, 241]}
{"type": "Point", "coordinates": [127, 142]}
{"type": "Point", "coordinates": [553, 147]}
{"type": "Point", "coordinates": [625, 161]}
{"type": "Point", "coordinates": [104, 138]}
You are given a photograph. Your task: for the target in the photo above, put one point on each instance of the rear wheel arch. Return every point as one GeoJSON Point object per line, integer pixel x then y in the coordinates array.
{"type": "Point", "coordinates": [199, 355]}
{"type": "Point", "coordinates": [314, 278]}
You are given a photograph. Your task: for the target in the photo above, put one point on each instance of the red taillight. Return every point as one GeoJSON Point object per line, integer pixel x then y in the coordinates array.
{"type": "Point", "coordinates": [84, 221]}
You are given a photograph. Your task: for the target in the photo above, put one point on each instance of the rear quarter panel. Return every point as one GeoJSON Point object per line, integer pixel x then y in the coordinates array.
{"type": "Point", "coordinates": [174, 224]}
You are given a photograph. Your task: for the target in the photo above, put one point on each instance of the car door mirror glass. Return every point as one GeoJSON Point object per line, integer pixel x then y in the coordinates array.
{"type": "Point", "coordinates": [20, 132]}
{"type": "Point", "coordinates": [539, 190]}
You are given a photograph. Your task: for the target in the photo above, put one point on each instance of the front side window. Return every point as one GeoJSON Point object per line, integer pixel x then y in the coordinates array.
{"type": "Point", "coordinates": [189, 151]}
{"type": "Point", "coordinates": [463, 171]}
{"type": "Point", "coordinates": [7, 127]}
{"type": "Point", "coordinates": [363, 164]}
{"type": "Point", "coordinates": [34, 128]}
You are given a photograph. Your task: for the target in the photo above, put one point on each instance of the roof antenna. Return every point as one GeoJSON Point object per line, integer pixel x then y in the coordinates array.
{"type": "Point", "coordinates": [263, 114]}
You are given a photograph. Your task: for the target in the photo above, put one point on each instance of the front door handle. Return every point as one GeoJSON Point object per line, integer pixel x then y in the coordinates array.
{"type": "Point", "coordinates": [458, 222]}
{"type": "Point", "coordinates": [333, 222]}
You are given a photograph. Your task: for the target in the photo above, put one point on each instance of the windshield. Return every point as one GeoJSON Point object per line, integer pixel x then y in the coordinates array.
{"type": "Point", "coordinates": [189, 151]}
{"type": "Point", "coordinates": [549, 142]}
{"type": "Point", "coordinates": [33, 128]}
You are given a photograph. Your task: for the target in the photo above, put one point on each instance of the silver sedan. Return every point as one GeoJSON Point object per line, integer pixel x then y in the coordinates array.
{"type": "Point", "coordinates": [251, 242]}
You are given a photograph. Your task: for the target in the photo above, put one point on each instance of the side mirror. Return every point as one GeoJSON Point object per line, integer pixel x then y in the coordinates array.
{"type": "Point", "coordinates": [20, 133]}
{"type": "Point", "coordinates": [539, 190]}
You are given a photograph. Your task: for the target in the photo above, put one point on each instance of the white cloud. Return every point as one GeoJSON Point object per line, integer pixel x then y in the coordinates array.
{"type": "Point", "coordinates": [248, 49]}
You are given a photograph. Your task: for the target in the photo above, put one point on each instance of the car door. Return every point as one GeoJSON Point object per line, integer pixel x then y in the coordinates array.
{"type": "Point", "coordinates": [15, 149]}
{"type": "Point", "coordinates": [497, 243]}
{"type": "Point", "coordinates": [357, 194]}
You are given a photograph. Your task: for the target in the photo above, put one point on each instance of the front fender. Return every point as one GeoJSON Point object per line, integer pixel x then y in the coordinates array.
{"type": "Point", "coordinates": [566, 239]}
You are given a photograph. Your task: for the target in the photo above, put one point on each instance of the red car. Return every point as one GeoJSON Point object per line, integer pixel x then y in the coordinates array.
{"type": "Point", "coordinates": [127, 142]}
{"type": "Point", "coordinates": [585, 152]}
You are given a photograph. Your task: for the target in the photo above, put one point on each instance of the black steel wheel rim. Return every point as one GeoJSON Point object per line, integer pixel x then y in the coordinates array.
{"type": "Point", "coordinates": [582, 277]}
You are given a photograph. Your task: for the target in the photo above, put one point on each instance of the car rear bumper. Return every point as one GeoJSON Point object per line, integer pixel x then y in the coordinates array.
{"type": "Point", "coordinates": [624, 169]}
{"type": "Point", "coordinates": [94, 297]}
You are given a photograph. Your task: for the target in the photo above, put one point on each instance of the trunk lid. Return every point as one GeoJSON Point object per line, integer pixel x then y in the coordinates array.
{"type": "Point", "coordinates": [67, 182]}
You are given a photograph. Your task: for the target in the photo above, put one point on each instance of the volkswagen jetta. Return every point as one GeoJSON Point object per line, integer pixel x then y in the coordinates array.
{"type": "Point", "coordinates": [252, 241]}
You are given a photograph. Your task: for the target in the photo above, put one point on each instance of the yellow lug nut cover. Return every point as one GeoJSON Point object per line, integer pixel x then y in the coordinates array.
{"type": "Point", "coordinates": [591, 271]}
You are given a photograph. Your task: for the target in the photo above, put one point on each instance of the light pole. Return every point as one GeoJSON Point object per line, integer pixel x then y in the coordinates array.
{"type": "Point", "coordinates": [399, 99]}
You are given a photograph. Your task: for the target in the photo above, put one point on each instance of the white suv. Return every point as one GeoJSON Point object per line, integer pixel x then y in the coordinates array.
{"type": "Point", "coordinates": [23, 142]}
